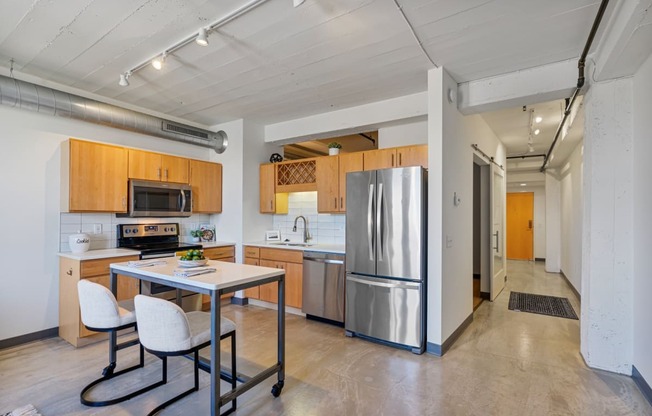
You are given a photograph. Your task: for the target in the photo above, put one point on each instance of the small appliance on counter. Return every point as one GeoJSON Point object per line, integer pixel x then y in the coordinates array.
{"type": "Point", "coordinates": [158, 241]}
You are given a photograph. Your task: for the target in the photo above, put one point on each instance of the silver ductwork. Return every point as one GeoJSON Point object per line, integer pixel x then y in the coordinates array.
{"type": "Point", "coordinates": [44, 100]}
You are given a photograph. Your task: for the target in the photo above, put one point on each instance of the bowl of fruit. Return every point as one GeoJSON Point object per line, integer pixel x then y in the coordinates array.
{"type": "Point", "coordinates": [193, 258]}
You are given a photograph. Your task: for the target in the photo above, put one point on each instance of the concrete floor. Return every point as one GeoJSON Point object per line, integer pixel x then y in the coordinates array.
{"type": "Point", "coordinates": [505, 363]}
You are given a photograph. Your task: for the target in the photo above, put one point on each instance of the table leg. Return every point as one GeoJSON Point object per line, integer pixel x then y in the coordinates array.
{"type": "Point", "coordinates": [113, 335]}
{"type": "Point", "coordinates": [281, 332]}
{"type": "Point", "coordinates": [215, 352]}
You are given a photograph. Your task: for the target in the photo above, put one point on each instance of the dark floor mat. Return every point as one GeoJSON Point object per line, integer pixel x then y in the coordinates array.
{"type": "Point", "coordinates": [541, 304]}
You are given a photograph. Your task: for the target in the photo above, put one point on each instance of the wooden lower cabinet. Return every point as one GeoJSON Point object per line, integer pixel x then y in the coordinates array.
{"type": "Point", "coordinates": [289, 260]}
{"type": "Point", "coordinates": [71, 327]}
{"type": "Point", "coordinates": [226, 253]}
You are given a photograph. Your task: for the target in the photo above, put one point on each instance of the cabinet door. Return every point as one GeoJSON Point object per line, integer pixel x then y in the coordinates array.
{"type": "Point", "coordinates": [267, 197]}
{"type": "Point", "coordinates": [206, 183]}
{"type": "Point", "coordinates": [327, 169]}
{"type": "Point", "coordinates": [349, 162]}
{"type": "Point", "coordinates": [97, 177]}
{"type": "Point", "coordinates": [379, 159]}
{"type": "Point", "coordinates": [413, 155]}
{"type": "Point", "coordinates": [219, 253]}
{"type": "Point", "coordinates": [269, 291]}
{"type": "Point", "coordinates": [252, 292]}
{"type": "Point", "coordinates": [144, 165]}
{"type": "Point", "coordinates": [293, 284]}
{"type": "Point", "coordinates": [174, 169]}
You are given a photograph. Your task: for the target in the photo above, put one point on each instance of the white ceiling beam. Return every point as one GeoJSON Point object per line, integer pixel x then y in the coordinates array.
{"type": "Point", "coordinates": [627, 41]}
{"type": "Point", "coordinates": [351, 120]}
{"type": "Point", "coordinates": [529, 86]}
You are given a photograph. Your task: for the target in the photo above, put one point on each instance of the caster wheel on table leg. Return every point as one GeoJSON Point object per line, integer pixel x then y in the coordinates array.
{"type": "Point", "coordinates": [277, 388]}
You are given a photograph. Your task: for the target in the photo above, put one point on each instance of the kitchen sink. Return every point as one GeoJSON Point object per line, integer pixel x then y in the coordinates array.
{"type": "Point", "coordinates": [291, 244]}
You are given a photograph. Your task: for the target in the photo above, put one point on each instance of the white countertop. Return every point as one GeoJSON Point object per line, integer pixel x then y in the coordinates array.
{"type": "Point", "coordinates": [227, 274]}
{"type": "Point", "coordinates": [323, 248]}
{"type": "Point", "coordinates": [100, 254]}
{"type": "Point", "coordinates": [212, 244]}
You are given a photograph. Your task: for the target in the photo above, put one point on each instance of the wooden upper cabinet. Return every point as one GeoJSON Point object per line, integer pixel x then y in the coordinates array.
{"type": "Point", "coordinates": [328, 193]}
{"type": "Point", "coordinates": [96, 178]}
{"type": "Point", "coordinates": [413, 155]}
{"type": "Point", "coordinates": [349, 162]}
{"type": "Point", "coordinates": [379, 159]}
{"type": "Point", "coordinates": [206, 183]}
{"type": "Point", "coordinates": [157, 167]}
{"type": "Point", "coordinates": [267, 197]}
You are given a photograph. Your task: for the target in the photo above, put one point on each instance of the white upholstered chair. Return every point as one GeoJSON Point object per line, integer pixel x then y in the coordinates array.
{"type": "Point", "coordinates": [166, 330]}
{"type": "Point", "coordinates": [100, 312]}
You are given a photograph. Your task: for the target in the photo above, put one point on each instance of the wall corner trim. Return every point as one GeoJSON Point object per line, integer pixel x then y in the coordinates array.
{"type": "Point", "coordinates": [34, 336]}
{"type": "Point", "coordinates": [440, 350]}
{"type": "Point", "coordinates": [642, 384]}
{"type": "Point", "coordinates": [570, 285]}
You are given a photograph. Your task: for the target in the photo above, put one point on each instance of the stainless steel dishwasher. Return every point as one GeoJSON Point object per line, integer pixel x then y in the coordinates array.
{"type": "Point", "coordinates": [323, 286]}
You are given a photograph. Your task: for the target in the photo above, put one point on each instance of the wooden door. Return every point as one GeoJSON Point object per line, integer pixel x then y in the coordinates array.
{"type": "Point", "coordinates": [327, 169]}
{"type": "Point", "coordinates": [206, 182]}
{"type": "Point", "coordinates": [252, 292]}
{"type": "Point", "coordinates": [413, 155]}
{"type": "Point", "coordinates": [379, 159]}
{"type": "Point", "coordinates": [144, 165]}
{"type": "Point", "coordinates": [349, 162]}
{"type": "Point", "coordinates": [98, 177]}
{"type": "Point", "coordinates": [520, 233]}
{"type": "Point", "coordinates": [269, 291]}
{"type": "Point", "coordinates": [267, 189]}
{"type": "Point", "coordinates": [174, 169]}
{"type": "Point", "coordinates": [293, 284]}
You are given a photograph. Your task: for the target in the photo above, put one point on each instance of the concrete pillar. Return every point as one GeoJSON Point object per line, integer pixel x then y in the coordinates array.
{"type": "Point", "coordinates": [553, 224]}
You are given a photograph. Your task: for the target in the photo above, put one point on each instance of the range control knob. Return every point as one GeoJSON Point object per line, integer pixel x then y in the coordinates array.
{"type": "Point", "coordinates": [127, 230]}
{"type": "Point", "coordinates": [134, 230]}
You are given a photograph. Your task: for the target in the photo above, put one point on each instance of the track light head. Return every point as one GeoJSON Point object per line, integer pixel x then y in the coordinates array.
{"type": "Point", "coordinates": [202, 37]}
{"type": "Point", "coordinates": [124, 79]}
{"type": "Point", "coordinates": [158, 62]}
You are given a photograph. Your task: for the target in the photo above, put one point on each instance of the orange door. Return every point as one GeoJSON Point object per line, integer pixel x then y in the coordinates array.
{"type": "Point", "coordinates": [520, 215]}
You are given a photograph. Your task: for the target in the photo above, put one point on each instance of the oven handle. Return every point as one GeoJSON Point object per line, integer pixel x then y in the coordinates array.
{"type": "Point", "coordinates": [156, 256]}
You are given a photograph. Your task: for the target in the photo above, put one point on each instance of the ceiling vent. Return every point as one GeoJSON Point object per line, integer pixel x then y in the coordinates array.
{"type": "Point", "coordinates": [44, 100]}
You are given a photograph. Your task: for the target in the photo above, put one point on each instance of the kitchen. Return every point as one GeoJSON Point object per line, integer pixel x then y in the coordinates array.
{"type": "Point", "coordinates": [32, 166]}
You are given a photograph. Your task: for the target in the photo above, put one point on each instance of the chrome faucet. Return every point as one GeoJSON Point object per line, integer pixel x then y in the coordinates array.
{"type": "Point", "coordinates": [306, 233]}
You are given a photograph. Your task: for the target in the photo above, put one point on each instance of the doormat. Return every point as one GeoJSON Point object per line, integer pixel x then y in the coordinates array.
{"type": "Point", "coordinates": [541, 304]}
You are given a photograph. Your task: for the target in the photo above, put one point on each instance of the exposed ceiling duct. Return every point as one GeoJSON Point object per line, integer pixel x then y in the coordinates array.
{"type": "Point", "coordinates": [44, 100]}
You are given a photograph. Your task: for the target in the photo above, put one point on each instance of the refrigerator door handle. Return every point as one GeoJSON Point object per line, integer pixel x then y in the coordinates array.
{"type": "Point", "coordinates": [379, 221]}
{"type": "Point", "coordinates": [370, 222]}
{"type": "Point", "coordinates": [375, 282]}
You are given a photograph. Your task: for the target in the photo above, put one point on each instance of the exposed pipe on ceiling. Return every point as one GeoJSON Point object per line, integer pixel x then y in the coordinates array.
{"type": "Point", "coordinates": [580, 80]}
{"type": "Point", "coordinates": [414, 34]}
{"type": "Point", "coordinates": [44, 100]}
{"type": "Point", "coordinates": [525, 156]}
{"type": "Point", "coordinates": [366, 136]}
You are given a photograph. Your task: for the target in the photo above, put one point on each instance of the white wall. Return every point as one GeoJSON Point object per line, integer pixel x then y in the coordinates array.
{"type": "Point", "coordinates": [642, 231]}
{"type": "Point", "coordinates": [30, 165]}
{"type": "Point", "coordinates": [553, 223]}
{"type": "Point", "coordinates": [450, 135]}
{"type": "Point", "coordinates": [403, 134]}
{"type": "Point", "coordinates": [571, 217]}
{"type": "Point", "coordinates": [607, 244]}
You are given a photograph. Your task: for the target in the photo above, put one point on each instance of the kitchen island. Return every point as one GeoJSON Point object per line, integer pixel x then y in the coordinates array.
{"type": "Point", "coordinates": [228, 277]}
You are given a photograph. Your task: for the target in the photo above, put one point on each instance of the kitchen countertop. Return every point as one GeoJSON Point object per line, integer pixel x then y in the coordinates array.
{"type": "Point", "coordinates": [323, 248]}
{"type": "Point", "coordinates": [120, 252]}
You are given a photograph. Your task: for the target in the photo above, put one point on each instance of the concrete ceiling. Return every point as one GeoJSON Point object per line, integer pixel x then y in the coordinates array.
{"type": "Point", "coordinates": [277, 62]}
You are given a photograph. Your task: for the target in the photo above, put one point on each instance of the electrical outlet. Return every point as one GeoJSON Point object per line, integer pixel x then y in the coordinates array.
{"type": "Point", "coordinates": [97, 228]}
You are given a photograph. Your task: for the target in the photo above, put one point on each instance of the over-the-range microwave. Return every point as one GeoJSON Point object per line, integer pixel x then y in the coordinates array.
{"type": "Point", "coordinates": [158, 199]}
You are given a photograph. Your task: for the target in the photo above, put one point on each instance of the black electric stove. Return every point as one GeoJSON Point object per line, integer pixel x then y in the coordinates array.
{"type": "Point", "coordinates": [153, 240]}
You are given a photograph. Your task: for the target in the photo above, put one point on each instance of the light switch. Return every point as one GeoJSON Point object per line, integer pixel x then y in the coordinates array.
{"type": "Point", "coordinates": [97, 228]}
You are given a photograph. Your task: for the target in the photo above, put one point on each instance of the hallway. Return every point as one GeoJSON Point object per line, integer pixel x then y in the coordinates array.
{"type": "Point", "coordinates": [505, 363]}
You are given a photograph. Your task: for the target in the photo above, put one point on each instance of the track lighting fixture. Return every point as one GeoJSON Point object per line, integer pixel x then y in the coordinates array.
{"type": "Point", "coordinates": [158, 62]}
{"type": "Point", "coordinates": [530, 148]}
{"type": "Point", "coordinates": [202, 37]}
{"type": "Point", "coordinates": [538, 119]}
{"type": "Point", "coordinates": [124, 79]}
{"type": "Point", "coordinates": [536, 132]}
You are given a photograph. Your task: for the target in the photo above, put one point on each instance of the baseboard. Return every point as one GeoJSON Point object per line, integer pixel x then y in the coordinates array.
{"type": "Point", "coordinates": [485, 295]}
{"type": "Point", "coordinates": [539, 259]}
{"type": "Point", "coordinates": [642, 384]}
{"type": "Point", "coordinates": [239, 301]}
{"type": "Point", "coordinates": [439, 350]}
{"type": "Point", "coordinates": [34, 336]}
{"type": "Point", "coordinates": [579, 297]}
{"type": "Point", "coordinates": [476, 276]}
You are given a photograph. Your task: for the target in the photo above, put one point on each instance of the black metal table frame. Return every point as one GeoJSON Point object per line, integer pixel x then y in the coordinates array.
{"type": "Point", "coordinates": [218, 400]}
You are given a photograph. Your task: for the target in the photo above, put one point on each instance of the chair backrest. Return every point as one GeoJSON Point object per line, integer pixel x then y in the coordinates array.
{"type": "Point", "coordinates": [162, 325]}
{"type": "Point", "coordinates": [98, 306]}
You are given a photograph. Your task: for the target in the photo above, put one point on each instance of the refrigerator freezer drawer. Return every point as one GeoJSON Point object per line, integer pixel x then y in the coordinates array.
{"type": "Point", "coordinates": [388, 310]}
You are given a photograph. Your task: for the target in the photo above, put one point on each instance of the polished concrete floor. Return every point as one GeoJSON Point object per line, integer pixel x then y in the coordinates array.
{"type": "Point", "coordinates": [505, 363]}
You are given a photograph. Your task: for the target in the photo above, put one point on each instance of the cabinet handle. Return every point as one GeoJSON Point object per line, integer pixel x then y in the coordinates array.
{"type": "Point", "coordinates": [271, 205]}
{"type": "Point", "coordinates": [335, 202]}
{"type": "Point", "coordinates": [392, 160]}
{"type": "Point", "coordinates": [400, 159]}
{"type": "Point", "coordinates": [166, 174]}
{"type": "Point", "coordinates": [158, 173]}
{"type": "Point", "coordinates": [69, 272]}
{"type": "Point", "coordinates": [341, 202]}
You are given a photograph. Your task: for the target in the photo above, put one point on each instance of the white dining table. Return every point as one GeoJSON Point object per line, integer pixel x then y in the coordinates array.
{"type": "Point", "coordinates": [228, 277]}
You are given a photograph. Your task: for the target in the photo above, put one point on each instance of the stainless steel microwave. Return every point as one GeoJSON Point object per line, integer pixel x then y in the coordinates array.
{"type": "Point", "coordinates": [159, 199]}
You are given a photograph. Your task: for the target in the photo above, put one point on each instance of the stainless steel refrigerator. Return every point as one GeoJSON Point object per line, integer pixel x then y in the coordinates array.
{"type": "Point", "coordinates": [386, 256]}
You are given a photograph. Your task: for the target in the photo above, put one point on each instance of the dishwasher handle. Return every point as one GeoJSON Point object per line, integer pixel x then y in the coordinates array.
{"type": "Point", "coordinates": [329, 261]}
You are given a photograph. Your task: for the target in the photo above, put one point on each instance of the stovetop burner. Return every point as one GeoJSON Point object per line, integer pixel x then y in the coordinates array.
{"type": "Point", "coordinates": [152, 238]}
